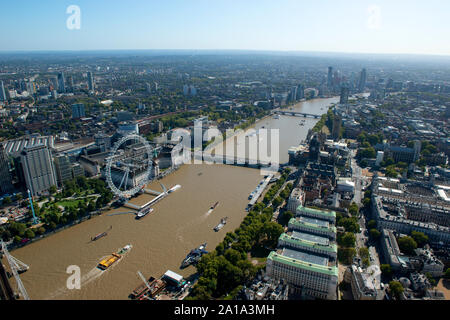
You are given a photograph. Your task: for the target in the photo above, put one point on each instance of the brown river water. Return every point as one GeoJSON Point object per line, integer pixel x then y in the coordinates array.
{"type": "Point", "coordinates": [161, 240]}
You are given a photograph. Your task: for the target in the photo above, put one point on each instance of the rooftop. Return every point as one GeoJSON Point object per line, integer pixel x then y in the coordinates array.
{"type": "Point", "coordinates": [295, 262]}
{"type": "Point", "coordinates": [317, 211]}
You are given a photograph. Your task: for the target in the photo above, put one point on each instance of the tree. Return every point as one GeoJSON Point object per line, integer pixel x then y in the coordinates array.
{"type": "Point", "coordinates": [7, 200]}
{"type": "Point", "coordinates": [386, 269]}
{"type": "Point", "coordinates": [345, 255]}
{"type": "Point", "coordinates": [353, 209]}
{"type": "Point", "coordinates": [52, 190]}
{"type": "Point", "coordinates": [233, 256]}
{"type": "Point", "coordinates": [29, 234]}
{"type": "Point", "coordinates": [430, 279]}
{"type": "Point", "coordinates": [447, 273]}
{"type": "Point", "coordinates": [419, 237]}
{"type": "Point", "coordinates": [371, 224]}
{"type": "Point", "coordinates": [285, 217]}
{"type": "Point", "coordinates": [17, 239]}
{"type": "Point", "coordinates": [374, 234]}
{"type": "Point", "coordinates": [350, 224]}
{"type": "Point", "coordinates": [347, 240]}
{"type": "Point", "coordinates": [396, 289]}
{"type": "Point", "coordinates": [407, 245]}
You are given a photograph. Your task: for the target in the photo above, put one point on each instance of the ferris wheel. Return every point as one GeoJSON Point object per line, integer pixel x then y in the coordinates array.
{"type": "Point", "coordinates": [121, 166]}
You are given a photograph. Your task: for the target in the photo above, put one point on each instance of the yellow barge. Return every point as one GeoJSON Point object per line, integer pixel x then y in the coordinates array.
{"type": "Point", "coordinates": [106, 263]}
{"type": "Point", "coordinates": [109, 261]}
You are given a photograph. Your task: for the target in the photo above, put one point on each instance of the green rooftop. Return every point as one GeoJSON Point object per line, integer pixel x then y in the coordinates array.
{"type": "Point", "coordinates": [317, 211]}
{"type": "Point", "coordinates": [331, 271]}
{"type": "Point", "coordinates": [296, 222]}
{"type": "Point", "coordinates": [329, 248]}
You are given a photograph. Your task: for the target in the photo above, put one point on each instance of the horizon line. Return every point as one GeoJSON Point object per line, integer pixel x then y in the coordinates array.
{"type": "Point", "coordinates": [229, 50]}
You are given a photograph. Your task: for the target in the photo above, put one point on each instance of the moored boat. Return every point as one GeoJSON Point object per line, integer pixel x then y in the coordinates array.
{"type": "Point", "coordinates": [194, 256]}
{"type": "Point", "coordinates": [222, 223]}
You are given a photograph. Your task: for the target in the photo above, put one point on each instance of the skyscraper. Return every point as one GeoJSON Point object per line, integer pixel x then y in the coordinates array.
{"type": "Point", "coordinates": [70, 83]}
{"type": "Point", "coordinates": [362, 80]}
{"type": "Point", "coordinates": [330, 77]}
{"type": "Point", "coordinates": [344, 94]}
{"type": "Point", "coordinates": [61, 83]}
{"type": "Point", "coordinates": [5, 176]}
{"type": "Point", "coordinates": [300, 91]}
{"type": "Point", "coordinates": [90, 81]}
{"type": "Point", "coordinates": [2, 92]}
{"type": "Point", "coordinates": [78, 111]}
{"type": "Point", "coordinates": [38, 169]}
{"type": "Point", "coordinates": [149, 87]}
{"type": "Point", "coordinates": [54, 81]}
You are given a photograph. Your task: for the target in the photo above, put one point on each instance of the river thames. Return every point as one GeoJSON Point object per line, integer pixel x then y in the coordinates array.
{"type": "Point", "coordinates": [161, 240]}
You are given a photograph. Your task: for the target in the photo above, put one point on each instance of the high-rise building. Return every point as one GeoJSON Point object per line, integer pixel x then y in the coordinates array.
{"type": "Point", "coordinates": [90, 81]}
{"type": "Point", "coordinates": [362, 80]}
{"type": "Point", "coordinates": [31, 88]}
{"type": "Point", "coordinates": [63, 169]}
{"type": "Point", "coordinates": [70, 83]}
{"type": "Point", "coordinates": [5, 176]}
{"type": "Point", "coordinates": [344, 94]}
{"type": "Point", "coordinates": [38, 169]}
{"type": "Point", "coordinates": [330, 77]}
{"type": "Point", "coordinates": [54, 82]}
{"type": "Point", "coordinates": [300, 92]}
{"type": "Point", "coordinates": [61, 83]}
{"type": "Point", "coordinates": [78, 111]}
{"type": "Point", "coordinates": [149, 87]}
{"type": "Point", "coordinates": [2, 92]}
{"type": "Point", "coordinates": [337, 124]}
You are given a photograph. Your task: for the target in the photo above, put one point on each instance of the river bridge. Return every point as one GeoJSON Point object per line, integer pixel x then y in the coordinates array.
{"type": "Point", "coordinates": [233, 160]}
{"type": "Point", "coordinates": [296, 114]}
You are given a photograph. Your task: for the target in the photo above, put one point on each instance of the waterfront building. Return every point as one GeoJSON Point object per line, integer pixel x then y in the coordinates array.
{"type": "Point", "coordinates": [38, 168]}
{"type": "Point", "coordinates": [307, 274]}
{"type": "Point", "coordinates": [313, 226]}
{"type": "Point", "coordinates": [300, 92]}
{"type": "Point", "coordinates": [329, 216]}
{"type": "Point", "coordinates": [309, 243]}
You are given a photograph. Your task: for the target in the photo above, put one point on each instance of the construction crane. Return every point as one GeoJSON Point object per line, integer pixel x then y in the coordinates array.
{"type": "Point", "coordinates": [143, 279]}
{"type": "Point", "coordinates": [16, 265]}
{"type": "Point", "coordinates": [35, 219]}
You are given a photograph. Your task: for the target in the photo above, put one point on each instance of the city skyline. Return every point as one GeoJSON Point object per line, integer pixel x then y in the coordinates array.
{"type": "Point", "coordinates": [350, 27]}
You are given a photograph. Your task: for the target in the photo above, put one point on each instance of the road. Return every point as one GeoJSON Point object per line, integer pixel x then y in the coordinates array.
{"type": "Point", "coordinates": [357, 179]}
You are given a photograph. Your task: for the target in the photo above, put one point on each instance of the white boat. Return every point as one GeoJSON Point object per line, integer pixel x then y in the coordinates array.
{"type": "Point", "coordinates": [144, 212]}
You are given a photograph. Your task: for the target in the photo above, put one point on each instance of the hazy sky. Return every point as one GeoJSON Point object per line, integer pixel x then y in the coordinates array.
{"type": "Point", "coordinates": [378, 26]}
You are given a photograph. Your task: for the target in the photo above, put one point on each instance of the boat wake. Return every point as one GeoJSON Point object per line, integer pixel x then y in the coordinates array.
{"type": "Point", "coordinates": [92, 275]}
{"type": "Point", "coordinates": [208, 213]}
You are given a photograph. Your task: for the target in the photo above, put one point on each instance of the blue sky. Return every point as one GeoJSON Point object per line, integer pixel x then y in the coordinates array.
{"type": "Point", "coordinates": [402, 26]}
